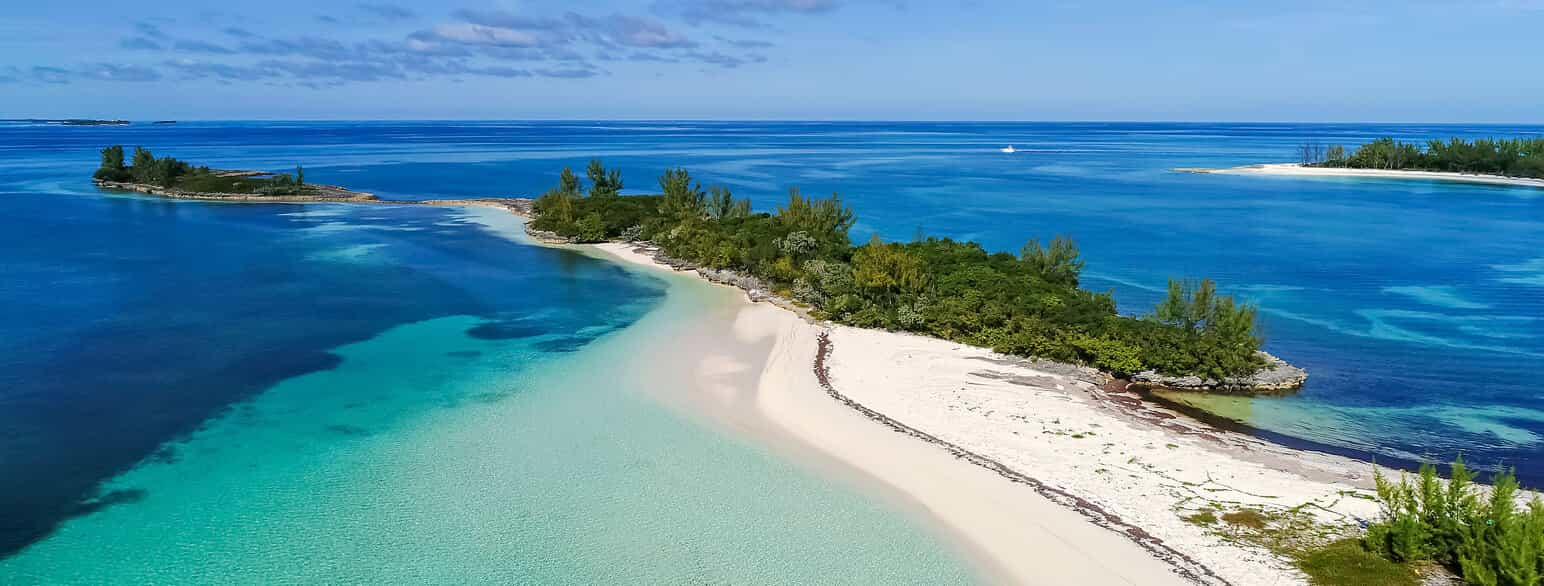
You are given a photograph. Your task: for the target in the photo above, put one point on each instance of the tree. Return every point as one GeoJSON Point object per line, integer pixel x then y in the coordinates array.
{"type": "Point", "coordinates": [141, 166]}
{"type": "Point", "coordinates": [723, 206]}
{"type": "Point", "coordinates": [1059, 264]}
{"type": "Point", "coordinates": [683, 199]}
{"type": "Point", "coordinates": [888, 269]}
{"type": "Point", "coordinates": [1220, 334]}
{"type": "Point", "coordinates": [603, 183]}
{"type": "Point", "coordinates": [112, 168]}
{"type": "Point", "coordinates": [568, 182]}
{"type": "Point", "coordinates": [827, 220]}
{"type": "Point", "coordinates": [300, 176]}
{"type": "Point", "coordinates": [1336, 154]}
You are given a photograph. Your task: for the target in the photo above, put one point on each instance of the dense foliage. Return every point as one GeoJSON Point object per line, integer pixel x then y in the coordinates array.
{"type": "Point", "coordinates": [1487, 539]}
{"type": "Point", "coordinates": [144, 168]}
{"type": "Point", "coordinates": [1028, 304]}
{"type": "Point", "coordinates": [1509, 157]}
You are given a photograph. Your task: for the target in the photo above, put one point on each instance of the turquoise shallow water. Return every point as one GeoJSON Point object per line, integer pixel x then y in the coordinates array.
{"type": "Point", "coordinates": [436, 452]}
{"type": "Point", "coordinates": [127, 324]}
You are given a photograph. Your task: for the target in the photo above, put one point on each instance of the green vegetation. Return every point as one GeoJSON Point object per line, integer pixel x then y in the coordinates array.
{"type": "Point", "coordinates": [1487, 539]}
{"type": "Point", "coordinates": [1324, 553]}
{"type": "Point", "coordinates": [1426, 524]}
{"type": "Point", "coordinates": [1508, 157]}
{"type": "Point", "coordinates": [1203, 519]}
{"type": "Point", "coordinates": [1028, 304]}
{"type": "Point", "coordinates": [145, 168]}
{"type": "Point", "coordinates": [1250, 518]}
{"type": "Point", "coordinates": [1346, 562]}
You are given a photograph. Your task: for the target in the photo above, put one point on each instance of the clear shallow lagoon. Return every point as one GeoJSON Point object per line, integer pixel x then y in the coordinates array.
{"type": "Point", "coordinates": [127, 322]}
{"type": "Point", "coordinates": [344, 394]}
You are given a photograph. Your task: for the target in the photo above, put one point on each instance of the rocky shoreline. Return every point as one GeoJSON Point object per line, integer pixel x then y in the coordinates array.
{"type": "Point", "coordinates": [322, 194]}
{"type": "Point", "coordinates": [1276, 378]}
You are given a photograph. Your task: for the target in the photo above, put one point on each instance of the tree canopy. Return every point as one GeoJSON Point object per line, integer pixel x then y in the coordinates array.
{"type": "Point", "coordinates": [146, 169]}
{"type": "Point", "coordinates": [1509, 157]}
{"type": "Point", "coordinates": [1028, 304]}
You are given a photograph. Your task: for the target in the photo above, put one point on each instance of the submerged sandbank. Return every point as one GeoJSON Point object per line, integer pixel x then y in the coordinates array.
{"type": "Point", "coordinates": [1296, 169]}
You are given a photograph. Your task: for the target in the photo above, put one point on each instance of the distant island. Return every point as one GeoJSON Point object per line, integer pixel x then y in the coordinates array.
{"type": "Point", "coordinates": [170, 177]}
{"type": "Point", "coordinates": [68, 121]}
{"type": "Point", "coordinates": [1027, 304]}
{"type": "Point", "coordinates": [1508, 162]}
{"type": "Point", "coordinates": [78, 122]}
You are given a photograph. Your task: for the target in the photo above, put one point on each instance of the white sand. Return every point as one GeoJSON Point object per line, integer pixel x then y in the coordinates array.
{"type": "Point", "coordinates": [1134, 474]}
{"type": "Point", "coordinates": [1041, 478]}
{"type": "Point", "coordinates": [1295, 169]}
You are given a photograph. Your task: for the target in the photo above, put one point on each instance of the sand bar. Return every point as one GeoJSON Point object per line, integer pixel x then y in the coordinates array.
{"type": "Point", "coordinates": [1298, 170]}
{"type": "Point", "coordinates": [1042, 475]}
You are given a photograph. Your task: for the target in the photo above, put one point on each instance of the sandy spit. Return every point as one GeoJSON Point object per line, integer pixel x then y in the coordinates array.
{"type": "Point", "coordinates": [1298, 170]}
{"type": "Point", "coordinates": [1041, 474]}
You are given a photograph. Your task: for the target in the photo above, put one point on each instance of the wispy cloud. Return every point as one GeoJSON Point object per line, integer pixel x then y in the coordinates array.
{"type": "Point", "coordinates": [192, 46]}
{"type": "Point", "coordinates": [139, 44]}
{"type": "Point", "coordinates": [95, 71]}
{"type": "Point", "coordinates": [744, 43]}
{"type": "Point", "coordinates": [745, 13]}
{"type": "Point", "coordinates": [387, 11]}
{"type": "Point", "coordinates": [472, 43]}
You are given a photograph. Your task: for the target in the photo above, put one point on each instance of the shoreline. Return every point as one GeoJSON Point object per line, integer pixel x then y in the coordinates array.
{"type": "Point", "coordinates": [974, 477]}
{"type": "Point", "coordinates": [1007, 529]}
{"type": "Point", "coordinates": [1298, 170]}
{"type": "Point", "coordinates": [1048, 436]}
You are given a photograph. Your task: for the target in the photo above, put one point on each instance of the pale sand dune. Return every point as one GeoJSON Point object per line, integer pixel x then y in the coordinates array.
{"type": "Point", "coordinates": [1294, 169]}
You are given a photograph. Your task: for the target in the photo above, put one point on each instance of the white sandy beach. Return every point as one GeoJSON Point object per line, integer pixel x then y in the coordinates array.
{"type": "Point", "coordinates": [1043, 477]}
{"type": "Point", "coordinates": [1295, 169]}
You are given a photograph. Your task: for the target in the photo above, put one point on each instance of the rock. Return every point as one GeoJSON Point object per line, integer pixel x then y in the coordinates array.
{"type": "Point", "coordinates": [1277, 377]}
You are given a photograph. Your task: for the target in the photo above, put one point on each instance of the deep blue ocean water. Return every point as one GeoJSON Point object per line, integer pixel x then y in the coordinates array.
{"type": "Point", "coordinates": [127, 322]}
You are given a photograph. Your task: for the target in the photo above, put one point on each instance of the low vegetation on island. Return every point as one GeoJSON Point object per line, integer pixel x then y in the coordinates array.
{"type": "Point", "coordinates": [1027, 304]}
{"type": "Point", "coordinates": [1503, 157]}
{"type": "Point", "coordinates": [144, 168]}
{"type": "Point", "coordinates": [1481, 535]}
{"type": "Point", "coordinates": [1427, 527]}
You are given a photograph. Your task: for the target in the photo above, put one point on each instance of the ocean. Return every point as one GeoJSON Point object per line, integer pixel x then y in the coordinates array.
{"type": "Point", "coordinates": [320, 391]}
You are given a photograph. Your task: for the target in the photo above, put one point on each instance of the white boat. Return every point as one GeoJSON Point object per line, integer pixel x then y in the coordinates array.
{"type": "Point", "coordinates": [1008, 149]}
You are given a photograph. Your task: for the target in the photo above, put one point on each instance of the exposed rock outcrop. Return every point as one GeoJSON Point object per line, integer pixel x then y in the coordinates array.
{"type": "Point", "coordinates": [1277, 377]}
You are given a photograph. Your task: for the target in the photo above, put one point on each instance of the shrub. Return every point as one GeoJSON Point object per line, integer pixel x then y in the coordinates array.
{"type": "Point", "coordinates": [1490, 541]}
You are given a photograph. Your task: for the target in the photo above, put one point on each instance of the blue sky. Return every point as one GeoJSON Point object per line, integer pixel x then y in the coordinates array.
{"type": "Point", "coordinates": [1308, 60]}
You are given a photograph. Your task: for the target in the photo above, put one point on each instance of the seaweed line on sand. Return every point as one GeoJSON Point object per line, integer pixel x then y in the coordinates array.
{"type": "Point", "coordinates": [1183, 565]}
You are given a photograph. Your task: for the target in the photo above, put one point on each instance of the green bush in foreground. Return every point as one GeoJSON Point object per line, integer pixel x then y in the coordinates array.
{"type": "Point", "coordinates": [1487, 539]}
{"type": "Point", "coordinates": [1026, 304]}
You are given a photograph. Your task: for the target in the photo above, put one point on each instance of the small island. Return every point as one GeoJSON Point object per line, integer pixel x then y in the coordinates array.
{"type": "Point", "coordinates": [800, 258]}
{"type": "Point", "coordinates": [1027, 304]}
{"type": "Point", "coordinates": [68, 121]}
{"type": "Point", "coordinates": [1506, 162]}
{"type": "Point", "coordinates": [170, 177]}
